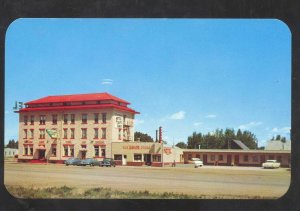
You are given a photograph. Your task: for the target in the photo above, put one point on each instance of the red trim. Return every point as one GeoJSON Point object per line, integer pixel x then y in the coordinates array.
{"type": "Point", "coordinates": [27, 144]}
{"type": "Point", "coordinates": [68, 144]}
{"type": "Point", "coordinates": [53, 144]}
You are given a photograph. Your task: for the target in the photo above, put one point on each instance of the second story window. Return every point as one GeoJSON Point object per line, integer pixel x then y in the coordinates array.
{"type": "Point", "coordinates": [31, 133]}
{"type": "Point", "coordinates": [54, 119]}
{"type": "Point", "coordinates": [72, 118]}
{"type": "Point", "coordinates": [95, 133]}
{"type": "Point", "coordinates": [103, 118]}
{"type": "Point", "coordinates": [84, 118]}
{"type": "Point", "coordinates": [42, 133]}
{"type": "Point", "coordinates": [65, 133]}
{"type": "Point", "coordinates": [83, 133]}
{"type": "Point", "coordinates": [103, 130]}
{"type": "Point", "coordinates": [31, 119]}
{"type": "Point", "coordinates": [65, 118]}
{"type": "Point", "coordinates": [96, 118]}
{"type": "Point", "coordinates": [72, 133]}
{"type": "Point", "coordinates": [25, 133]}
{"type": "Point", "coordinates": [25, 120]}
{"type": "Point", "coordinates": [42, 119]}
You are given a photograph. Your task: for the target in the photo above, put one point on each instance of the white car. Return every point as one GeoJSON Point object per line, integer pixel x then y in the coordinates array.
{"type": "Point", "coordinates": [271, 164]}
{"type": "Point", "coordinates": [197, 162]}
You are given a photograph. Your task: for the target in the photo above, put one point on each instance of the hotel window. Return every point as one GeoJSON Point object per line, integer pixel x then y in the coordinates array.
{"type": "Point", "coordinates": [246, 158]}
{"type": "Point", "coordinates": [96, 118]}
{"type": "Point", "coordinates": [212, 157]}
{"type": "Point", "coordinates": [65, 133]}
{"type": "Point", "coordinates": [66, 150]}
{"type": "Point", "coordinates": [72, 133]}
{"type": "Point", "coordinates": [25, 120]}
{"type": "Point", "coordinates": [84, 118]}
{"type": "Point", "coordinates": [103, 152]}
{"type": "Point", "coordinates": [54, 119]}
{"type": "Point", "coordinates": [96, 151]}
{"type": "Point", "coordinates": [42, 133]}
{"type": "Point", "coordinates": [42, 119]}
{"type": "Point", "coordinates": [72, 118]}
{"type": "Point", "coordinates": [104, 118]}
{"type": "Point", "coordinates": [220, 157]}
{"type": "Point", "coordinates": [31, 151]}
{"type": "Point", "coordinates": [65, 119]}
{"type": "Point", "coordinates": [25, 133]}
{"type": "Point", "coordinates": [31, 119]}
{"type": "Point", "coordinates": [95, 133]}
{"type": "Point", "coordinates": [137, 157]}
{"type": "Point", "coordinates": [255, 158]}
{"type": "Point", "coordinates": [120, 134]}
{"type": "Point", "coordinates": [26, 150]}
{"type": "Point", "coordinates": [117, 157]}
{"type": "Point", "coordinates": [53, 152]}
{"type": "Point", "coordinates": [156, 158]}
{"type": "Point", "coordinates": [72, 151]}
{"type": "Point", "coordinates": [31, 133]}
{"type": "Point", "coordinates": [83, 133]}
{"type": "Point", "coordinates": [103, 133]}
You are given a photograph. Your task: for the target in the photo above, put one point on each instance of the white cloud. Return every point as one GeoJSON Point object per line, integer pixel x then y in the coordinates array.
{"type": "Point", "coordinates": [211, 116]}
{"type": "Point", "coordinates": [281, 130]}
{"type": "Point", "coordinates": [249, 125]}
{"type": "Point", "coordinates": [178, 115]}
{"type": "Point", "coordinates": [107, 81]}
{"type": "Point", "coordinates": [138, 121]}
{"type": "Point", "coordinates": [196, 124]}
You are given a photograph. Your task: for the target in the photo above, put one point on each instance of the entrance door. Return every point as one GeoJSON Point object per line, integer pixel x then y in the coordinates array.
{"type": "Point", "coordinates": [236, 159]}
{"type": "Point", "coordinates": [83, 154]}
{"type": "Point", "coordinates": [147, 159]}
{"type": "Point", "coordinates": [41, 154]}
{"type": "Point", "coordinates": [229, 160]}
{"type": "Point", "coordinates": [124, 160]}
{"type": "Point", "coordinates": [205, 159]}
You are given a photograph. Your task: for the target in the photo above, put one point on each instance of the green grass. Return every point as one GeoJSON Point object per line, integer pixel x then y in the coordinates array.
{"type": "Point", "coordinates": [65, 192]}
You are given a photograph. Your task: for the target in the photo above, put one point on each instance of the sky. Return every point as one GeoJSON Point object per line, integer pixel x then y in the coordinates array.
{"type": "Point", "coordinates": [185, 75]}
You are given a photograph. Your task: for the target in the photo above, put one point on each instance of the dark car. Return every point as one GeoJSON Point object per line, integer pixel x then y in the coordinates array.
{"type": "Point", "coordinates": [73, 161]}
{"type": "Point", "coordinates": [89, 162]}
{"type": "Point", "coordinates": [107, 162]}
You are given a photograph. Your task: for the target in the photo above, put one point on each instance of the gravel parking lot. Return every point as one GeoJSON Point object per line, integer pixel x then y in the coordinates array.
{"type": "Point", "coordinates": [225, 181]}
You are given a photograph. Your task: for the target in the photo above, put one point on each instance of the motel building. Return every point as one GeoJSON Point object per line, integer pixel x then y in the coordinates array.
{"type": "Point", "coordinates": [55, 128]}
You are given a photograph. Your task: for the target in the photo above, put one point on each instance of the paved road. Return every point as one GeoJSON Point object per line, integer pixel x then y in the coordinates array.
{"type": "Point", "coordinates": [228, 182]}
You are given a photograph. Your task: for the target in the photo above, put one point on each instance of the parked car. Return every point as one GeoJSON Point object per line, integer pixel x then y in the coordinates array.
{"type": "Point", "coordinates": [73, 161]}
{"type": "Point", "coordinates": [89, 162]}
{"type": "Point", "coordinates": [271, 164]}
{"type": "Point", "coordinates": [107, 162]}
{"type": "Point", "coordinates": [197, 162]}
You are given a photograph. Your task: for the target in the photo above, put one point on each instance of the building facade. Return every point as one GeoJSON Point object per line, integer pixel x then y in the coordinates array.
{"type": "Point", "coordinates": [10, 152]}
{"type": "Point", "coordinates": [55, 128]}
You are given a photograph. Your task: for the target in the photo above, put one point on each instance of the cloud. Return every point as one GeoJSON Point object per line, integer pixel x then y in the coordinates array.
{"type": "Point", "coordinates": [249, 125]}
{"type": "Point", "coordinates": [107, 81]}
{"type": "Point", "coordinates": [138, 121]}
{"type": "Point", "coordinates": [211, 116]}
{"type": "Point", "coordinates": [281, 130]}
{"type": "Point", "coordinates": [197, 124]}
{"type": "Point", "coordinates": [178, 115]}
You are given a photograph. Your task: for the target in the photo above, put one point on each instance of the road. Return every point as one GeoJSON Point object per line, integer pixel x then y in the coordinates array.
{"type": "Point", "coordinates": [228, 182]}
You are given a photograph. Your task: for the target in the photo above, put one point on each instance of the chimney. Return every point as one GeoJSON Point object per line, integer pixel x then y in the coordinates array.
{"type": "Point", "coordinates": [156, 135]}
{"type": "Point", "coordinates": [160, 134]}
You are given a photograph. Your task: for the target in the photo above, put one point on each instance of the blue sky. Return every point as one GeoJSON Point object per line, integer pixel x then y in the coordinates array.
{"type": "Point", "coordinates": [185, 75]}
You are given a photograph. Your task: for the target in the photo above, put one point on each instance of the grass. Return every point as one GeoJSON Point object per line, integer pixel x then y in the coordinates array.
{"type": "Point", "coordinates": [65, 192]}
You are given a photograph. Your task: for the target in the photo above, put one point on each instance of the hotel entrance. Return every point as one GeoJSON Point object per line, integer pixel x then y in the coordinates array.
{"type": "Point", "coordinates": [41, 155]}
{"type": "Point", "coordinates": [147, 159]}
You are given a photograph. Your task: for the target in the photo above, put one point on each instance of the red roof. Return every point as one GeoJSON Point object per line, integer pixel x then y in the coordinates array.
{"type": "Point", "coordinates": [76, 98]}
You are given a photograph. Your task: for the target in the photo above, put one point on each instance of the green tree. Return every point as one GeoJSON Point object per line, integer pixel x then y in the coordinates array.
{"type": "Point", "coordinates": [278, 138]}
{"type": "Point", "coordinates": [142, 137]}
{"type": "Point", "coordinates": [181, 145]}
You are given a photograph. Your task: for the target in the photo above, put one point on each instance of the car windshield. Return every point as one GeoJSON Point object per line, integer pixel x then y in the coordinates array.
{"type": "Point", "coordinates": [107, 159]}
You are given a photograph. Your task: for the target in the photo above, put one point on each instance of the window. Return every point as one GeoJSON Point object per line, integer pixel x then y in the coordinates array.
{"type": "Point", "coordinates": [279, 158]}
{"type": "Point", "coordinates": [271, 157]}
{"type": "Point", "coordinates": [117, 157]}
{"type": "Point", "coordinates": [65, 133]}
{"type": "Point", "coordinates": [95, 133]}
{"type": "Point", "coordinates": [72, 151]}
{"type": "Point", "coordinates": [26, 150]}
{"type": "Point", "coordinates": [103, 133]}
{"type": "Point", "coordinates": [54, 119]}
{"type": "Point", "coordinates": [54, 152]}
{"type": "Point", "coordinates": [65, 119]}
{"type": "Point", "coordinates": [246, 158]}
{"type": "Point", "coordinates": [189, 156]}
{"type": "Point", "coordinates": [255, 158]}
{"type": "Point", "coordinates": [212, 157]}
{"type": "Point", "coordinates": [137, 157]}
{"type": "Point", "coordinates": [72, 118]}
{"type": "Point", "coordinates": [197, 155]}
{"type": "Point", "coordinates": [96, 118]}
{"type": "Point", "coordinates": [72, 133]}
{"type": "Point", "coordinates": [103, 118]}
{"type": "Point", "coordinates": [66, 150]}
{"type": "Point", "coordinates": [103, 152]}
{"type": "Point", "coordinates": [220, 157]}
{"type": "Point", "coordinates": [31, 133]}
{"type": "Point", "coordinates": [83, 133]}
{"type": "Point", "coordinates": [25, 120]}
{"type": "Point", "coordinates": [156, 158]}
{"type": "Point", "coordinates": [31, 119]}
{"type": "Point", "coordinates": [84, 118]}
{"type": "Point", "coordinates": [42, 119]}
{"type": "Point", "coordinates": [25, 133]}
{"type": "Point", "coordinates": [31, 151]}
{"type": "Point", "coordinates": [42, 133]}
{"type": "Point", "coordinates": [96, 151]}
{"type": "Point", "coordinates": [120, 134]}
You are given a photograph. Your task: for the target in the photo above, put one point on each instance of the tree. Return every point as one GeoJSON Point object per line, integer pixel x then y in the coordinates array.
{"type": "Point", "coordinates": [12, 144]}
{"type": "Point", "coordinates": [283, 139]}
{"type": "Point", "coordinates": [181, 145]}
{"type": "Point", "coordinates": [142, 137]}
{"type": "Point", "coordinates": [278, 137]}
